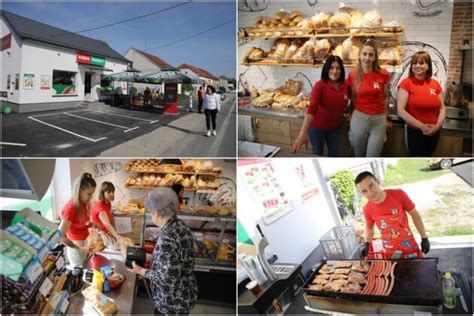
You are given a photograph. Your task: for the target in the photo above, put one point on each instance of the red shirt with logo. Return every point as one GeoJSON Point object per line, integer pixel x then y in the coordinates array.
{"type": "Point", "coordinates": [370, 99]}
{"type": "Point", "coordinates": [98, 207]}
{"type": "Point", "coordinates": [79, 229]}
{"type": "Point", "coordinates": [395, 196]}
{"type": "Point", "coordinates": [423, 99]}
{"type": "Point", "coordinates": [328, 104]}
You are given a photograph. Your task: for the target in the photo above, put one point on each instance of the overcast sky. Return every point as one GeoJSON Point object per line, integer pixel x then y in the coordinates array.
{"type": "Point", "coordinates": [214, 51]}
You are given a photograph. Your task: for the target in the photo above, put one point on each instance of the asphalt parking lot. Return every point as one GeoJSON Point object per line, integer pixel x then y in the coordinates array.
{"type": "Point", "coordinates": [78, 132]}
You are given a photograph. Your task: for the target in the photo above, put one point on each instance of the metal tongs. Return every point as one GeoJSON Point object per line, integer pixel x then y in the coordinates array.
{"type": "Point", "coordinates": [461, 297]}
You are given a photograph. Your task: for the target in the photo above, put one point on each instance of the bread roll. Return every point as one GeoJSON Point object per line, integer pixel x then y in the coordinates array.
{"type": "Point", "coordinates": [345, 9]}
{"type": "Point", "coordinates": [347, 49]}
{"type": "Point", "coordinates": [293, 49]}
{"type": "Point", "coordinates": [322, 48]}
{"type": "Point", "coordinates": [295, 14]}
{"type": "Point", "coordinates": [371, 22]}
{"type": "Point", "coordinates": [356, 21]}
{"type": "Point", "coordinates": [320, 22]}
{"type": "Point", "coordinates": [393, 26]}
{"type": "Point", "coordinates": [281, 15]}
{"type": "Point", "coordinates": [339, 23]}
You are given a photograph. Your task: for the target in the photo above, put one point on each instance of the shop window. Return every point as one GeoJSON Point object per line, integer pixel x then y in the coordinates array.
{"type": "Point", "coordinates": [64, 82]}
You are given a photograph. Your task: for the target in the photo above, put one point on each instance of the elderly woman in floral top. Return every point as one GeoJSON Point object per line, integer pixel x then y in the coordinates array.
{"type": "Point", "coordinates": [171, 276]}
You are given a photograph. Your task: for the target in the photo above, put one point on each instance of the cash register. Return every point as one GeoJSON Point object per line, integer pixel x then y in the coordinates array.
{"type": "Point", "coordinates": [284, 281]}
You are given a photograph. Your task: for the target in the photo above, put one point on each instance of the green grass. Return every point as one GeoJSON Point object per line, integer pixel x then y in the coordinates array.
{"type": "Point", "coordinates": [410, 171]}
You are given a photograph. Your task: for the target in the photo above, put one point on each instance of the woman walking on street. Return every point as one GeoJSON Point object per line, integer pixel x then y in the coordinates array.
{"type": "Point", "coordinates": [369, 84]}
{"type": "Point", "coordinates": [420, 104]}
{"type": "Point", "coordinates": [212, 106]}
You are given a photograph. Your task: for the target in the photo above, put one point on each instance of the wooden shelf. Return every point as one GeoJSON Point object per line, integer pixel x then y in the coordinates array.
{"type": "Point", "coordinates": [177, 172]}
{"type": "Point", "coordinates": [186, 189]}
{"type": "Point", "coordinates": [315, 65]}
{"type": "Point", "coordinates": [322, 35]}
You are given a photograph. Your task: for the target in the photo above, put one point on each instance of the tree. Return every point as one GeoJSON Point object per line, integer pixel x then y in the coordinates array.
{"type": "Point", "coordinates": [342, 183]}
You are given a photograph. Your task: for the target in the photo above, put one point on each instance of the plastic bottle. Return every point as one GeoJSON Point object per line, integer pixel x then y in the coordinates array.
{"type": "Point", "coordinates": [449, 295]}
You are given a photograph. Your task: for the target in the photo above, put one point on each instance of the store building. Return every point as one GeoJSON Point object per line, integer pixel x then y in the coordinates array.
{"type": "Point", "coordinates": [205, 75]}
{"type": "Point", "coordinates": [46, 68]}
{"type": "Point", "coordinates": [145, 62]}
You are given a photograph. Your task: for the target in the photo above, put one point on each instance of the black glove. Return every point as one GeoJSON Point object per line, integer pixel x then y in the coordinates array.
{"type": "Point", "coordinates": [364, 251]}
{"type": "Point", "coordinates": [425, 245]}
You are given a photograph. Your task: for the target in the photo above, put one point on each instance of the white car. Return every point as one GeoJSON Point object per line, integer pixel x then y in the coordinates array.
{"type": "Point", "coordinates": [445, 163]}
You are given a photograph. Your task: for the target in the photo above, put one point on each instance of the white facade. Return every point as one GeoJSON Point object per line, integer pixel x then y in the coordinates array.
{"type": "Point", "coordinates": [142, 63]}
{"type": "Point", "coordinates": [26, 58]}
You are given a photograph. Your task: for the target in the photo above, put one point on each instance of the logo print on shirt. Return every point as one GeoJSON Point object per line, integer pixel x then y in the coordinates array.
{"type": "Point", "coordinates": [376, 85]}
{"type": "Point", "coordinates": [432, 92]}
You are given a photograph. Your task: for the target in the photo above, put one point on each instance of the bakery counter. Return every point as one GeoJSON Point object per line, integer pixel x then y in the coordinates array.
{"type": "Point", "coordinates": [122, 296]}
{"type": "Point", "coordinates": [280, 127]}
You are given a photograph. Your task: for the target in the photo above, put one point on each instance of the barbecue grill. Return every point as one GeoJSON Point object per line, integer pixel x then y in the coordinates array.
{"type": "Point", "coordinates": [417, 288]}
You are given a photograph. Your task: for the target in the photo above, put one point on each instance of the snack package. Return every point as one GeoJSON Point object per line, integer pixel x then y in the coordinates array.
{"type": "Point", "coordinates": [95, 241]}
{"type": "Point", "coordinates": [104, 305]}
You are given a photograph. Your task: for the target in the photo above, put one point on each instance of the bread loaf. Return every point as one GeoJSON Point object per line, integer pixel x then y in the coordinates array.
{"type": "Point", "coordinates": [371, 22]}
{"type": "Point", "coordinates": [320, 22]}
{"type": "Point", "coordinates": [339, 23]}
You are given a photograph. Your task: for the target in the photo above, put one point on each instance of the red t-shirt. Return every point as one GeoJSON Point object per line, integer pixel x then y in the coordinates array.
{"type": "Point", "coordinates": [78, 230]}
{"type": "Point", "coordinates": [423, 99]}
{"type": "Point", "coordinates": [327, 104]}
{"type": "Point", "coordinates": [394, 198]}
{"type": "Point", "coordinates": [98, 207]}
{"type": "Point", "coordinates": [369, 98]}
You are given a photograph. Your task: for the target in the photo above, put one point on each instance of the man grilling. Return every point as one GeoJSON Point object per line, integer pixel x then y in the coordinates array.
{"type": "Point", "coordinates": [387, 209]}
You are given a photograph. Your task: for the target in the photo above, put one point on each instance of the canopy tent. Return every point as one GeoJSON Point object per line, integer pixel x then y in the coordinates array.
{"type": "Point", "coordinates": [170, 76]}
{"type": "Point", "coordinates": [130, 75]}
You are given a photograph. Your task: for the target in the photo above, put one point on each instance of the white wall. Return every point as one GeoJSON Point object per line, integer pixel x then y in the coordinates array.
{"type": "Point", "coordinates": [141, 63]}
{"type": "Point", "coordinates": [42, 59]}
{"type": "Point", "coordinates": [61, 185]}
{"type": "Point", "coordinates": [295, 235]}
{"type": "Point", "coordinates": [11, 63]}
{"type": "Point", "coordinates": [432, 31]}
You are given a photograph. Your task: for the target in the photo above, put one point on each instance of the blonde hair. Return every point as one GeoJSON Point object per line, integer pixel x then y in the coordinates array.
{"type": "Point", "coordinates": [85, 181]}
{"type": "Point", "coordinates": [376, 66]}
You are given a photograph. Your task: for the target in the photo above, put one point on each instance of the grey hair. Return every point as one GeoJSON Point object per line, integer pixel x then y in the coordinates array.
{"type": "Point", "coordinates": [163, 201]}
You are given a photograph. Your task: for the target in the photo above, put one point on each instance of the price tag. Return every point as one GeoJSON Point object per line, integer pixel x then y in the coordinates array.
{"type": "Point", "coordinates": [55, 300]}
{"type": "Point", "coordinates": [53, 241]}
{"type": "Point", "coordinates": [34, 271]}
{"type": "Point", "coordinates": [46, 287]}
{"type": "Point", "coordinates": [43, 253]}
{"type": "Point", "coordinates": [60, 263]}
{"type": "Point", "coordinates": [64, 306]}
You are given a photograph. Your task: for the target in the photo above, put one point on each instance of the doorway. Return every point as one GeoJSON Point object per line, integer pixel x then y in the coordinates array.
{"type": "Point", "coordinates": [88, 87]}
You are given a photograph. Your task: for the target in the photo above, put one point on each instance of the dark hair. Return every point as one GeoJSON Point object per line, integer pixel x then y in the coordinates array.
{"type": "Point", "coordinates": [361, 176]}
{"type": "Point", "coordinates": [425, 58]}
{"type": "Point", "coordinates": [327, 67]}
{"type": "Point", "coordinates": [105, 187]}
{"type": "Point", "coordinates": [177, 188]}
{"type": "Point", "coordinates": [213, 90]}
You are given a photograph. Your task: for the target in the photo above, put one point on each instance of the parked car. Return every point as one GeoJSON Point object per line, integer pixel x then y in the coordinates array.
{"type": "Point", "coordinates": [222, 94]}
{"type": "Point", "coordinates": [445, 163]}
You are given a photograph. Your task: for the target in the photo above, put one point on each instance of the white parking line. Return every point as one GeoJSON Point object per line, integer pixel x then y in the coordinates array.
{"type": "Point", "coordinates": [130, 129]}
{"type": "Point", "coordinates": [12, 144]}
{"type": "Point", "coordinates": [130, 117]}
{"type": "Point", "coordinates": [100, 122]}
{"type": "Point", "coordinates": [65, 130]}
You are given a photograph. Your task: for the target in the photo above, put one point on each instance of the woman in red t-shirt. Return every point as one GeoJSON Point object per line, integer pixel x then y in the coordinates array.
{"type": "Point", "coordinates": [75, 220]}
{"type": "Point", "coordinates": [369, 85]}
{"type": "Point", "coordinates": [420, 104]}
{"type": "Point", "coordinates": [323, 119]}
{"type": "Point", "coordinates": [101, 213]}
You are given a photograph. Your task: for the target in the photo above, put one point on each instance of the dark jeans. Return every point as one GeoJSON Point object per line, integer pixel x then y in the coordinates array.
{"type": "Point", "coordinates": [419, 145]}
{"type": "Point", "coordinates": [211, 116]}
{"type": "Point", "coordinates": [319, 137]}
{"type": "Point", "coordinates": [200, 101]}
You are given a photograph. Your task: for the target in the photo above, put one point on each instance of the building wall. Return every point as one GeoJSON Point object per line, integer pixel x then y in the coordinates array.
{"type": "Point", "coordinates": [426, 28]}
{"type": "Point", "coordinates": [141, 63]}
{"type": "Point", "coordinates": [11, 63]}
{"type": "Point", "coordinates": [41, 59]}
{"type": "Point", "coordinates": [461, 30]}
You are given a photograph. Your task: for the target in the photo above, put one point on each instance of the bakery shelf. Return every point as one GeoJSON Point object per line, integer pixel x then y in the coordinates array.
{"type": "Point", "coordinates": [198, 173]}
{"type": "Point", "coordinates": [325, 35]}
{"type": "Point", "coordinates": [390, 68]}
{"type": "Point", "coordinates": [199, 190]}
{"type": "Point", "coordinates": [208, 218]}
